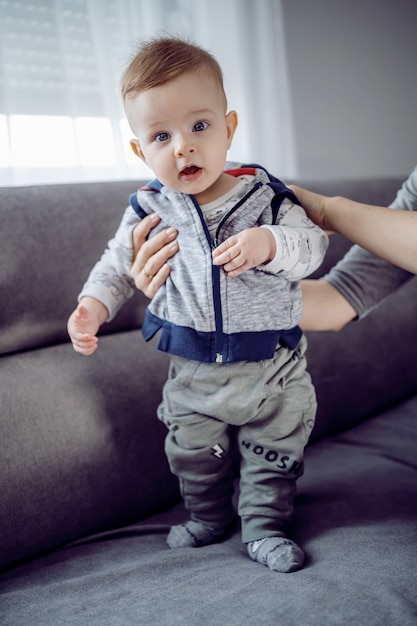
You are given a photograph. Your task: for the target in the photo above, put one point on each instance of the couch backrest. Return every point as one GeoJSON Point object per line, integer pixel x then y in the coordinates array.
{"type": "Point", "coordinates": [50, 237]}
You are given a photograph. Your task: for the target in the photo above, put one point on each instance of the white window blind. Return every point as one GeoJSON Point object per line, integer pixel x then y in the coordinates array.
{"type": "Point", "coordinates": [61, 115]}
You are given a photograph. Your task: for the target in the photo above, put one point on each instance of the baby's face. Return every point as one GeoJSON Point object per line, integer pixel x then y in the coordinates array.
{"type": "Point", "coordinates": [183, 133]}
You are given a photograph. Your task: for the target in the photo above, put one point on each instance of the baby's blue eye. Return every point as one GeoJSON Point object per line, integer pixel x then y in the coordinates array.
{"type": "Point", "coordinates": [200, 126]}
{"type": "Point", "coordinates": [161, 137]}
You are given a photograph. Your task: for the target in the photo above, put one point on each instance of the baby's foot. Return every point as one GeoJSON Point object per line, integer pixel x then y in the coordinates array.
{"type": "Point", "coordinates": [278, 553]}
{"type": "Point", "coordinates": [193, 534]}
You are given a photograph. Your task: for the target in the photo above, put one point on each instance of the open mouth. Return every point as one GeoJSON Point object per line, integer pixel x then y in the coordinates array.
{"type": "Point", "coordinates": [190, 171]}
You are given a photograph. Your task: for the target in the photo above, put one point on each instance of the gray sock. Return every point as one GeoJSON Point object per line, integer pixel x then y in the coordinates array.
{"type": "Point", "coordinates": [193, 534]}
{"type": "Point", "coordinates": [278, 553]}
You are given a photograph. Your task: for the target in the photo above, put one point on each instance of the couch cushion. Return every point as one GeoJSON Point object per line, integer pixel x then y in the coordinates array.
{"type": "Point", "coordinates": [355, 517]}
{"type": "Point", "coordinates": [81, 446]}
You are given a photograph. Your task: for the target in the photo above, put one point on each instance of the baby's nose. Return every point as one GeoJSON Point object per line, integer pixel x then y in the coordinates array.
{"type": "Point", "coordinates": [183, 147]}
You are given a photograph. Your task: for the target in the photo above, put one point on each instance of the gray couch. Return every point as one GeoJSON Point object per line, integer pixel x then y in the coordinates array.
{"type": "Point", "coordinates": [86, 496]}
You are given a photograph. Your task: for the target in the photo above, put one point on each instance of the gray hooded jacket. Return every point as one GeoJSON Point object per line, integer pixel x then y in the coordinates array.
{"type": "Point", "coordinates": [202, 313]}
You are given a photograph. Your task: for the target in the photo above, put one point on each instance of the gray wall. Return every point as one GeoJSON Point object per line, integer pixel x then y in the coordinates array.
{"type": "Point", "coordinates": [353, 78]}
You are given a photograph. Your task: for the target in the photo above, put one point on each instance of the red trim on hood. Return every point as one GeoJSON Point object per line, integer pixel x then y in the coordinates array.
{"type": "Point", "coordinates": [241, 171]}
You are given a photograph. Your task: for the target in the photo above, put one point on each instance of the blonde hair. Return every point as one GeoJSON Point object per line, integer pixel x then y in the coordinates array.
{"type": "Point", "coordinates": [162, 59]}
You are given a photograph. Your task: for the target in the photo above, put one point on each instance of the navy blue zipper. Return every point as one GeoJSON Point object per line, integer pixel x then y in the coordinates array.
{"type": "Point", "coordinates": [217, 302]}
{"type": "Point", "coordinates": [233, 209]}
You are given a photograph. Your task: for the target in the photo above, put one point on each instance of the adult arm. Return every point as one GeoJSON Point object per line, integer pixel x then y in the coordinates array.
{"type": "Point", "coordinates": [390, 235]}
{"type": "Point", "coordinates": [324, 307]}
{"type": "Point", "coordinates": [362, 279]}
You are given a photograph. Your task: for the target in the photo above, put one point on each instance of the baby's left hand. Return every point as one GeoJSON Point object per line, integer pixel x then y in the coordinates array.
{"type": "Point", "coordinates": [247, 249]}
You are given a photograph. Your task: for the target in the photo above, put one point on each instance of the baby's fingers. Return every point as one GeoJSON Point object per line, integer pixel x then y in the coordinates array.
{"type": "Point", "coordinates": [84, 344]}
{"type": "Point", "coordinates": [226, 252]}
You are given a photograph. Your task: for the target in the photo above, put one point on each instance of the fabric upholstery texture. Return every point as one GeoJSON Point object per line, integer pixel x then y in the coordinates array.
{"type": "Point", "coordinates": [86, 496]}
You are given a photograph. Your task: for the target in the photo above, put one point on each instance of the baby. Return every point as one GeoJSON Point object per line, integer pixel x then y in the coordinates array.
{"type": "Point", "coordinates": [228, 318]}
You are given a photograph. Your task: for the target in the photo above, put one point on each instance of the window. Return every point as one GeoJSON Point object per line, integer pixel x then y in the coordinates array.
{"type": "Point", "coordinates": [61, 115]}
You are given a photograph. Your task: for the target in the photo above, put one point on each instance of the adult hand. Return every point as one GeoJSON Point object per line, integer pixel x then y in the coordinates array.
{"type": "Point", "coordinates": [314, 205]}
{"type": "Point", "coordinates": [150, 269]}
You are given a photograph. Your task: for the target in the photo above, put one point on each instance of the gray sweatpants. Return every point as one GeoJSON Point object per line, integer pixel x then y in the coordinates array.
{"type": "Point", "coordinates": [266, 409]}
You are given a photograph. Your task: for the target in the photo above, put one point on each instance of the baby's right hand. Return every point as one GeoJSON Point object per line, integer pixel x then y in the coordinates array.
{"type": "Point", "coordinates": [83, 325]}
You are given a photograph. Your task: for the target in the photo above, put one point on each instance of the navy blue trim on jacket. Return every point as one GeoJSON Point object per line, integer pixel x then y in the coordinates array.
{"type": "Point", "coordinates": [201, 346]}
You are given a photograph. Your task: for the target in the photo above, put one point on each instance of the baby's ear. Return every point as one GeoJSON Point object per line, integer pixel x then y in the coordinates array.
{"type": "Point", "coordinates": [135, 145]}
{"type": "Point", "coordinates": [231, 124]}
